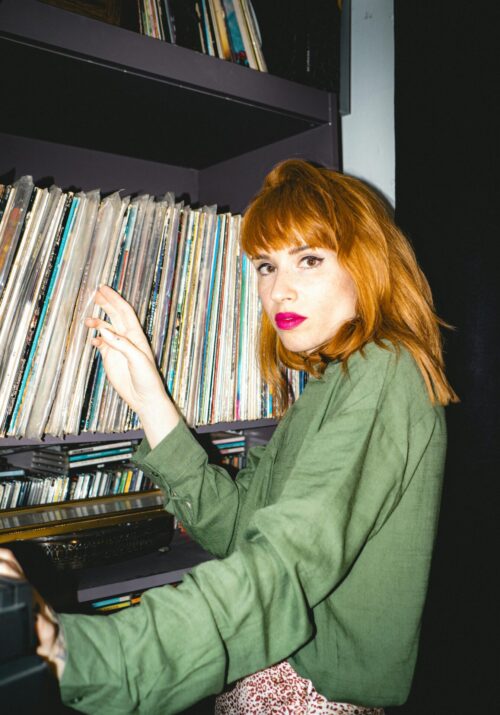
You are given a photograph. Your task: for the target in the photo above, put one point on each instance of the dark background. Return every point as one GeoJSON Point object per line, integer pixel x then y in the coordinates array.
{"type": "Point", "coordinates": [447, 202]}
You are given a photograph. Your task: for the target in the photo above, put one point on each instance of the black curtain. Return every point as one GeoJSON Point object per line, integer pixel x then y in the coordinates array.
{"type": "Point", "coordinates": [447, 196]}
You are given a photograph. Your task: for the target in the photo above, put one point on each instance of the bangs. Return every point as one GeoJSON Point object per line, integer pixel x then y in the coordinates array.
{"type": "Point", "coordinates": [285, 216]}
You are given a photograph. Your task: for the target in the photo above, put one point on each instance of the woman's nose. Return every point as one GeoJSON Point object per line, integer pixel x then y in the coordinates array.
{"type": "Point", "coordinates": [283, 286]}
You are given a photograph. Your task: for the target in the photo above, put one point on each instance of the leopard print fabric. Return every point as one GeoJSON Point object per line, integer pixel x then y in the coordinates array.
{"type": "Point", "coordinates": [280, 691]}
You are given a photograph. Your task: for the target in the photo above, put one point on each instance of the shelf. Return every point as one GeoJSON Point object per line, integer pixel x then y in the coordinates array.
{"type": "Point", "coordinates": [71, 439]}
{"type": "Point", "coordinates": [133, 434]}
{"type": "Point", "coordinates": [249, 424]}
{"type": "Point", "coordinates": [175, 105]}
{"type": "Point", "coordinates": [141, 572]}
{"type": "Point", "coordinates": [101, 106]}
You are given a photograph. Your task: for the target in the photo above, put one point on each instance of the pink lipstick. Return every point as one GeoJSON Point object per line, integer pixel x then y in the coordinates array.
{"type": "Point", "coordinates": [288, 321]}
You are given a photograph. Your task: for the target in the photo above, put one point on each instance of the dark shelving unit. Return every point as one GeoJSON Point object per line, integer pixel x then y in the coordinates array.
{"type": "Point", "coordinates": [87, 105]}
{"type": "Point", "coordinates": [77, 83]}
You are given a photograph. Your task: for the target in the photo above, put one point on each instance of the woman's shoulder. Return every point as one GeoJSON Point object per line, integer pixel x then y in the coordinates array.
{"type": "Point", "coordinates": [380, 374]}
{"type": "Point", "coordinates": [388, 360]}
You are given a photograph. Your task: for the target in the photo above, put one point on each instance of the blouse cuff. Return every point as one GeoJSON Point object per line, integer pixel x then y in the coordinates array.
{"type": "Point", "coordinates": [168, 462]}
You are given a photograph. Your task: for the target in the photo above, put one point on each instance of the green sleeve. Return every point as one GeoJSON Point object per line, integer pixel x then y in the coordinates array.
{"type": "Point", "coordinates": [204, 497]}
{"type": "Point", "coordinates": [235, 616]}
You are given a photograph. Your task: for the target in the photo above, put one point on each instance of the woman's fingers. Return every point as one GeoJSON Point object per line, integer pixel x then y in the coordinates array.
{"type": "Point", "coordinates": [8, 571]}
{"type": "Point", "coordinates": [116, 341]}
{"type": "Point", "coordinates": [124, 320]}
{"type": "Point", "coordinates": [121, 313]}
{"type": "Point", "coordinates": [97, 324]}
{"type": "Point", "coordinates": [132, 353]}
{"type": "Point", "coordinates": [51, 645]}
{"type": "Point", "coordinates": [109, 337]}
{"type": "Point", "coordinates": [9, 565]}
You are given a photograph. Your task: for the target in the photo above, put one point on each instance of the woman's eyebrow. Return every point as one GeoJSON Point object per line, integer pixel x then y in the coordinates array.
{"type": "Point", "coordinates": [292, 252]}
{"type": "Point", "coordinates": [260, 257]}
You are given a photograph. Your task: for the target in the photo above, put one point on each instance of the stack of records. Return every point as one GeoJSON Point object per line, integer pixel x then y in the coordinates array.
{"type": "Point", "coordinates": [181, 268]}
{"type": "Point", "coordinates": [227, 29]}
{"type": "Point", "coordinates": [99, 454]}
{"type": "Point", "coordinates": [231, 448]}
{"type": "Point", "coordinates": [57, 474]}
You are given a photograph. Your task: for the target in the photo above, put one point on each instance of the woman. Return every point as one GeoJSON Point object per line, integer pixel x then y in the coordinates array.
{"type": "Point", "coordinates": [325, 538]}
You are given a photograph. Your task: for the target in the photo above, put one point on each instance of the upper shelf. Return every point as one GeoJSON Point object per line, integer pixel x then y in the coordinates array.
{"type": "Point", "coordinates": [74, 80]}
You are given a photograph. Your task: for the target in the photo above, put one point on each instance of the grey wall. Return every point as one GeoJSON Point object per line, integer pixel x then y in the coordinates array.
{"type": "Point", "coordinates": [368, 131]}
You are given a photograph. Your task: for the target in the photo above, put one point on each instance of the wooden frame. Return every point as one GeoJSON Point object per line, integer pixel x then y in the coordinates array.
{"type": "Point", "coordinates": [106, 10]}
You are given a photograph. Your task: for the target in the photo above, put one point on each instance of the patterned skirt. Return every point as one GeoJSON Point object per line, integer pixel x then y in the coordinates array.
{"type": "Point", "coordinates": [280, 691]}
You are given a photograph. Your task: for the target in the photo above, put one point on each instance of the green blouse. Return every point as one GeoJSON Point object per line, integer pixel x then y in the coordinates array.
{"type": "Point", "coordinates": [324, 543]}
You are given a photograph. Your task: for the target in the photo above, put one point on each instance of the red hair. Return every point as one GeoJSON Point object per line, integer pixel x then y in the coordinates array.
{"type": "Point", "coordinates": [303, 204]}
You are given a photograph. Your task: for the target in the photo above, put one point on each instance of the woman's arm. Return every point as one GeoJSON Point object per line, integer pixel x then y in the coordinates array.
{"type": "Point", "coordinates": [204, 497]}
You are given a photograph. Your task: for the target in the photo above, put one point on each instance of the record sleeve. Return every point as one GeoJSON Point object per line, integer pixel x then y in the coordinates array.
{"type": "Point", "coordinates": [4, 196]}
{"type": "Point", "coordinates": [208, 32]}
{"type": "Point", "coordinates": [152, 305]}
{"type": "Point", "coordinates": [25, 395]}
{"type": "Point", "coordinates": [112, 408]}
{"type": "Point", "coordinates": [169, 23]}
{"type": "Point", "coordinates": [138, 288]}
{"type": "Point", "coordinates": [168, 272]}
{"type": "Point", "coordinates": [194, 349]}
{"type": "Point", "coordinates": [143, 281]}
{"type": "Point", "coordinates": [64, 417]}
{"type": "Point", "coordinates": [242, 355]}
{"type": "Point", "coordinates": [156, 307]}
{"type": "Point", "coordinates": [190, 316]}
{"type": "Point", "coordinates": [236, 317]}
{"type": "Point", "coordinates": [97, 377]}
{"type": "Point", "coordinates": [222, 36]}
{"type": "Point", "coordinates": [40, 345]}
{"type": "Point", "coordinates": [157, 19]}
{"type": "Point", "coordinates": [85, 401]}
{"type": "Point", "coordinates": [209, 330]}
{"type": "Point", "coordinates": [11, 227]}
{"type": "Point", "coordinates": [217, 322]}
{"type": "Point", "coordinates": [252, 27]}
{"type": "Point", "coordinates": [190, 271]}
{"type": "Point", "coordinates": [169, 362]}
{"type": "Point", "coordinates": [224, 332]}
{"type": "Point", "coordinates": [243, 52]}
{"type": "Point", "coordinates": [54, 339]}
{"type": "Point", "coordinates": [17, 308]}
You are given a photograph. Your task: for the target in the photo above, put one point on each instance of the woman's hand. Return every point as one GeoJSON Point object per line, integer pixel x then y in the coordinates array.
{"type": "Point", "coordinates": [126, 355]}
{"type": "Point", "coordinates": [51, 646]}
{"type": "Point", "coordinates": [130, 366]}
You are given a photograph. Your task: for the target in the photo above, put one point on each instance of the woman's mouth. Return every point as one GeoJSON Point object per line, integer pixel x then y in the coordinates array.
{"type": "Point", "coordinates": [288, 321]}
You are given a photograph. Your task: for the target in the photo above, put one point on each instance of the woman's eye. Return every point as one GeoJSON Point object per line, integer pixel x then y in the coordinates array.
{"type": "Point", "coordinates": [264, 269]}
{"type": "Point", "coordinates": [311, 261]}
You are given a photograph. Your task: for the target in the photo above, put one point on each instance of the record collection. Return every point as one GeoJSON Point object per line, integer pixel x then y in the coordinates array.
{"type": "Point", "coordinates": [227, 29]}
{"type": "Point", "coordinates": [182, 270]}
{"type": "Point", "coordinates": [58, 473]}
